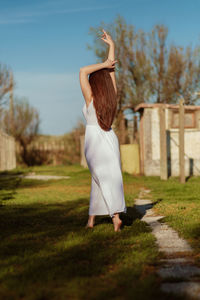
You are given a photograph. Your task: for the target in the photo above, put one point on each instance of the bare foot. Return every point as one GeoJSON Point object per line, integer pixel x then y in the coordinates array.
{"type": "Point", "coordinates": [90, 223]}
{"type": "Point", "coordinates": [117, 226]}
{"type": "Point", "coordinates": [117, 222]}
{"type": "Point", "coordinates": [89, 226]}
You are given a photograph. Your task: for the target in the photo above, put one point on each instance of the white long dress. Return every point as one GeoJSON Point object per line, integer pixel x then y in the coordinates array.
{"type": "Point", "coordinates": [103, 158]}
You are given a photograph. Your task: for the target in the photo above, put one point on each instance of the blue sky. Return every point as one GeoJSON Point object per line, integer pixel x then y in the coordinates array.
{"type": "Point", "coordinates": [44, 42]}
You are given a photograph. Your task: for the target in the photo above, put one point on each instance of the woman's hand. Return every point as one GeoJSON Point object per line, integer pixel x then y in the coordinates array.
{"type": "Point", "coordinates": [110, 64]}
{"type": "Point", "coordinates": [107, 38]}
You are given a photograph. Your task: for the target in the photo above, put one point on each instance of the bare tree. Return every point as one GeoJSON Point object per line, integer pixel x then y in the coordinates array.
{"type": "Point", "coordinates": [133, 70]}
{"type": "Point", "coordinates": [148, 69]}
{"type": "Point", "coordinates": [158, 55]}
{"type": "Point", "coordinates": [25, 125]}
{"type": "Point", "coordinates": [6, 82]}
{"type": "Point", "coordinates": [72, 141]}
{"type": "Point", "coordinates": [133, 67]}
{"type": "Point", "coordinates": [175, 70]}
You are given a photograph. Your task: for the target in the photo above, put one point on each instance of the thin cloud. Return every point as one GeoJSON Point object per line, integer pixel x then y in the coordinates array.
{"type": "Point", "coordinates": [29, 17]}
{"type": "Point", "coordinates": [15, 21]}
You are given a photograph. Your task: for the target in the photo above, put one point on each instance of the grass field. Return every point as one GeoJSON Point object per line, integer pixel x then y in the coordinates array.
{"type": "Point", "coordinates": [180, 203]}
{"type": "Point", "coordinates": [46, 252]}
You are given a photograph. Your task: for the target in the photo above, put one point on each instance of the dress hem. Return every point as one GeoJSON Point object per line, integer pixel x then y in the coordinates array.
{"type": "Point", "coordinates": [111, 215]}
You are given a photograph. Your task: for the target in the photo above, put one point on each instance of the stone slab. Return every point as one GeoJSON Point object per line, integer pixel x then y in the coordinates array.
{"type": "Point", "coordinates": [190, 289]}
{"type": "Point", "coordinates": [142, 201]}
{"type": "Point", "coordinates": [179, 271]}
{"type": "Point", "coordinates": [169, 242]}
{"type": "Point", "coordinates": [168, 239]}
{"type": "Point", "coordinates": [178, 260]}
{"type": "Point", "coordinates": [152, 220]}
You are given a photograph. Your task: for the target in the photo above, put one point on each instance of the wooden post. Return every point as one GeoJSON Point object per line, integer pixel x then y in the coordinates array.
{"type": "Point", "coordinates": [135, 129]}
{"type": "Point", "coordinates": [163, 145]}
{"type": "Point", "coordinates": [181, 141]}
{"type": "Point", "coordinates": [141, 142]}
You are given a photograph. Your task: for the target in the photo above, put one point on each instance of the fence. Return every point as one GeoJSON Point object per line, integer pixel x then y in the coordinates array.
{"type": "Point", "coordinates": [7, 152]}
{"type": "Point", "coordinates": [50, 150]}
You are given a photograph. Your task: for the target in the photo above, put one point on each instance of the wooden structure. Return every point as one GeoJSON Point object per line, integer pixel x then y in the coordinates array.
{"type": "Point", "coordinates": [158, 159]}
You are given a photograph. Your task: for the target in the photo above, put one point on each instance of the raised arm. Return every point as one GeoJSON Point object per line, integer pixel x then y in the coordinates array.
{"type": "Point", "coordinates": [111, 55]}
{"type": "Point", "coordinates": [83, 76]}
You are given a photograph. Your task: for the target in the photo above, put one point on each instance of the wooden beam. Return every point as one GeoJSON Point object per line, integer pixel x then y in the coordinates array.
{"type": "Point", "coordinates": [181, 141]}
{"type": "Point", "coordinates": [163, 144]}
{"type": "Point", "coordinates": [141, 143]}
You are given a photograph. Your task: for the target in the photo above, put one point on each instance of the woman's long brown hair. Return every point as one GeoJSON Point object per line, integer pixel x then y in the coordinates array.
{"type": "Point", "coordinates": [104, 97]}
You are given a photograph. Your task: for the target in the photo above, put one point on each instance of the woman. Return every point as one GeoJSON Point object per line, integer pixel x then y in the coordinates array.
{"type": "Point", "coordinates": [101, 143]}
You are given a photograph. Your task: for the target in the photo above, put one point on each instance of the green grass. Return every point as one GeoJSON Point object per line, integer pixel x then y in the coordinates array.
{"type": "Point", "coordinates": [180, 203]}
{"type": "Point", "coordinates": [46, 252]}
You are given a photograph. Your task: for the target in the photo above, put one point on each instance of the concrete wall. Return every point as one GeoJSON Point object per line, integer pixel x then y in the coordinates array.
{"type": "Point", "coordinates": [192, 152]}
{"type": "Point", "coordinates": [7, 152]}
{"type": "Point", "coordinates": [151, 141]}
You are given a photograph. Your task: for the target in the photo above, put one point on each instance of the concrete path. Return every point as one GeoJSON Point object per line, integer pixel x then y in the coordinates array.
{"type": "Point", "coordinates": [43, 177]}
{"type": "Point", "coordinates": [35, 176]}
{"type": "Point", "coordinates": [179, 275]}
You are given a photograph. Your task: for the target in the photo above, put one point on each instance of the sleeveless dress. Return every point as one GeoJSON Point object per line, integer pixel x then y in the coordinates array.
{"type": "Point", "coordinates": [102, 154]}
